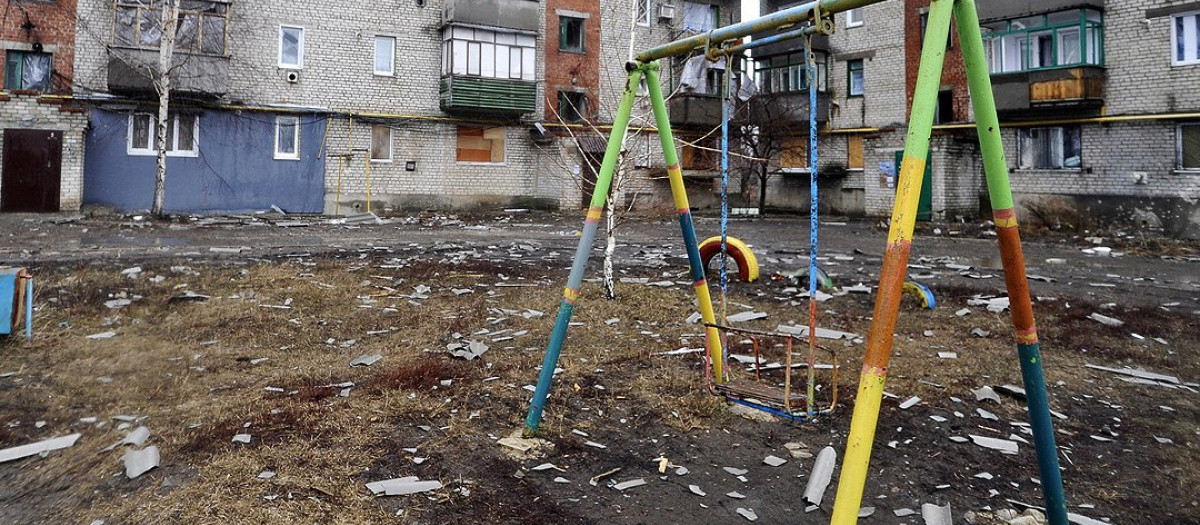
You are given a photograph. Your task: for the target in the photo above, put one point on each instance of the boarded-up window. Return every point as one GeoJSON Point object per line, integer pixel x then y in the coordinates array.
{"type": "Point", "coordinates": [794, 153]}
{"type": "Point", "coordinates": [480, 144]}
{"type": "Point", "coordinates": [703, 156]}
{"type": "Point", "coordinates": [381, 143]}
{"type": "Point", "coordinates": [854, 152]}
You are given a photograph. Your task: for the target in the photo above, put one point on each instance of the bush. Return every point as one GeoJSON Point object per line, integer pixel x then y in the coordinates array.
{"type": "Point", "coordinates": [1057, 214]}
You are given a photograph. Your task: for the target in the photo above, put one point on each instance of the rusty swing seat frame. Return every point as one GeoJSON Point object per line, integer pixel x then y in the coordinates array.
{"type": "Point", "coordinates": [778, 401]}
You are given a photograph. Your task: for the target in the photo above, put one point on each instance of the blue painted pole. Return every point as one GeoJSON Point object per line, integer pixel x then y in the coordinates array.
{"type": "Point", "coordinates": [583, 252]}
{"type": "Point", "coordinates": [810, 62]}
{"type": "Point", "coordinates": [28, 307]}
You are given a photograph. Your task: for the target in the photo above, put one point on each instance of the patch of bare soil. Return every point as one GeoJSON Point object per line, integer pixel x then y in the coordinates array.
{"type": "Point", "coordinates": [268, 355]}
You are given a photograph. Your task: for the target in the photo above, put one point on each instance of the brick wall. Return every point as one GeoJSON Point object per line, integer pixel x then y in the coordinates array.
{"type": "Point", "coordinates": [1137, 53]}
{"type": "Point", "coordinates": [954, 74]}
{"type": "Point", "coordinates": [880, 44]}
{"type": "Point", "coordinates": [54, 29]}
{"type": "Point", "coordinates": [568, 70]}
{"type": "Point", "coordinates": [24, 111]}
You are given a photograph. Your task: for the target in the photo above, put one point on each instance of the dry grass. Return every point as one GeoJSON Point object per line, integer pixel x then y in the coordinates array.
{"type": "Point", "coordinates": [186, 370]}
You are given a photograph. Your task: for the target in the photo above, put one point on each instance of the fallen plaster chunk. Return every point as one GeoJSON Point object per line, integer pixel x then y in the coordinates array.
{"type": "Point", "coordinates": [138, 462]}
{"type": "Point", "coordinates": [904, 513]}
{"type": "Point", "coordinates": [1012, 390]}
{"type": "Point", "coordinates": [1163, 441]}
{"type": "Point", "coordinates": [774, 461]}
{"type": "Point", "coordinates": [697, 490]}
{"type": "Point", "coordinates": [938, 419]}
{"type": "Point", "coordinates": [103, 335]}
{"type": "Point", "coordinates": [402, 486]}
{"type": "Point", "coordinates": [948, 355]}
{"type": "Point", "coordinates": [958, 439]}
{"type": "Point", "coordinates": [985, 475]}
{"type": "Point", "coordinates": [960, 313]}
{"type": "Point", "coordinates": [1140, 374]}
{"type": "Point", "coordinates": [747, 513]}
{"type": "Point", "coordinates": [366, 360]}
{"type": "Point", "coordinates": [242, 438]}
{"type": "Point", "coordinates": [818, 479]}
{"type": "Point", "coordinates": [866, 512]}
{"type": "Point", "coordinates": [1084, 520]}
{"type": "Point", "coordinates": [736, 495]}
{"type": "Point", "coordinates": [561, 479]}
{"type": "Point", "coordinates": [936, 515]}
{"type": "Point", "coordinates": [746, 316]}
{"type": "Point", "coordinates": [979, 332]}
{"type": "Point", "coordinates": [910, 402]}
{"type": "Point", "coordinates": [986, 392]}
{"type": "Point", "coordinates": [468, 350]}
{"type": "Point", "coordinates": [1106, 320]}
{"type": "Point", "coordinates": [624, 485]}
{"type": "Point", "coordinates": [987, 415]}
{"type": "Point", "coordinates": [39, 447]}
{"type": "Point", "coordinates": [823, 333]}
{"type": "Point", "coordinates": [137, 437]}
{"type": "Point", "coordinates": [736, 471]}
{"type": "Point", "coordinates": [1003, 445]}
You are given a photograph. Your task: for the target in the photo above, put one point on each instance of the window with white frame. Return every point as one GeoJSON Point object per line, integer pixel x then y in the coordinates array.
{"type": "Point", "coordinates": [489, 54]}
{"type": "Point", "coordinates": [854, 17]}
{"type": "Point", "coordinates": [645, 12]}
{"type": "Point", "coordinates": [381, 143]}
{"type": "Point", "coordinates": [1054, 148]}
{"type": "Point", "coordinates": [291, 47]}
{"type": "Point", "coordinates": [1188, 136]}
{"type": "Point", "coordinates": [1185, 39]}
{"type": "Point", "coordinates": [287, 137]}
{"type": "Point", "coordinates": [385, 55]}
{"type": "Point", "coordinates": [182, 133]}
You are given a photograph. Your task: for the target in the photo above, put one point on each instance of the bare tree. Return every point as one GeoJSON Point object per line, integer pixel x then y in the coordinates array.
{"type": "Point", "coordinates": [162, 86]}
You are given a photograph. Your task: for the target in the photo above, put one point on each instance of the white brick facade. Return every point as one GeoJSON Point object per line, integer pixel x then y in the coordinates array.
{"type": "Point", "coordinates": [26, 112]}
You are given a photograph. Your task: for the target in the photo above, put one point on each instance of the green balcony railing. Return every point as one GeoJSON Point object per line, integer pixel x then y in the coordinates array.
{"type": "Point", "coordinates": [465, 94]}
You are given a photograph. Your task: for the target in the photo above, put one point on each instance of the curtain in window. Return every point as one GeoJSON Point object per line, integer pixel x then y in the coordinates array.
{"type": "Point", "coordinates": [35, 73]}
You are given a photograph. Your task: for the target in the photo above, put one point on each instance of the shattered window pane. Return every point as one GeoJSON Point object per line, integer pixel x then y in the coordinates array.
{"type": "Point", "coordinates": [126, 30]}
{"type": "Point", "coordinates": [151, 25]}
{"type": "Point", "coordinates": [213, 35]}
{"type": "Point", "coordinates": [36, 72]}
{"type": "Point", "coordinates": [188, 35]}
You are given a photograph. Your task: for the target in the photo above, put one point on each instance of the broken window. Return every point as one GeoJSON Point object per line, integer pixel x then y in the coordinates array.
{"type": "Point", "coordinates": [489, 54]}
{"type": "Point", "coordinates": [700, 17]}
{"type": "Point", "coordinates": [1189, 146]}
{"type": "Point", "coordinates": [27, 70]}
{"type": "Point", "coordinates": [291, 47]}
{"type": "Point", "coordinates": [572, 106]}
{"type": "Point", "coordinates": [480, 144]}
{"type": "Point", "coordinates": [181, 135]}
{"type": "Point", "coordinates": [200, 28]}
{"type": "Point", "coordinates": [287, 138]}
{"type": "Point", "coordinates": [571, 34]}
{"type": "Point", "coordinates": [1049, 148]}
{"type": "Point", "coordinates": [645, 12]}
{"type": "Point", "coordinates": [381, 143]}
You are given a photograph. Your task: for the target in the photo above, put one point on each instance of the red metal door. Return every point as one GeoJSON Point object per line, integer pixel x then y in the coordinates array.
{"type": "Point", "coordinates": [32, 167]}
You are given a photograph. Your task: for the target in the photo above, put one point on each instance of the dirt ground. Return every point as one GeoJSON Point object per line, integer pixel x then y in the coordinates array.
{"type": "Point", "coordinates": [268, 355]}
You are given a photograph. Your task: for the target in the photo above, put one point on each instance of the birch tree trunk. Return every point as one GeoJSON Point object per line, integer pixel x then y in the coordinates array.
{"type": "Point", "coordinates": [162, 85]}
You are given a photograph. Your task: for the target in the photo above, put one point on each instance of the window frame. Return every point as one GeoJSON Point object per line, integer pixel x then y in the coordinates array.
{"type": "Point", "coordinates": [854, 18]}
{"type": "Point", "coordinates": [391, 154]}
{"type": "Point", "coordinates": [768, 70]}
{"type": "Point", "coordinates": [201, 16]}
{"type": "Point", "coordinates": [862, 71]}
{"type": "Point", "coordinates": [524, 43]}
{"type": "Point", "coordinates": [22, 54]}
{"type": "Point", "coordinates": [580, 110]}
{"type": "Point", "coordinates": [645, 19]}
{"type": "Point", "coordinates": [299, 48]}
{"type": "Point", "coordinates": [172, 148]}
{"type": "Point", "coordinates": [295, 155]}
{"type": "Point", "coordinates": [391, 70]}
{"type": "Point", "coordinates": [1179, 147]}
{"type": "Point", "coordinates": [1175, 42]}
{"type": "Point", "coordinates": [999, 37]}
{"type": "Point", "coordinates": [1065, 137]}
{"type": "Point", "coordinates": [563, 25]}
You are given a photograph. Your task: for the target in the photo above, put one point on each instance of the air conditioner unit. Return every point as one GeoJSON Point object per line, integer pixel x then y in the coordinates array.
{"type": "Point", "coordinates": [292, 77]}
{"type": "Point", "coordinates": [666, 12]}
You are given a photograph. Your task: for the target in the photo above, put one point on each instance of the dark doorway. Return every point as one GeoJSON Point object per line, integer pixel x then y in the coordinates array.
{"type": "Point", "coordinates": [32, 166]}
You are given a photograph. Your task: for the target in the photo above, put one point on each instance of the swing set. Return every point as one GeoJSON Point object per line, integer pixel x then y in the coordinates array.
{"type": "Point", "coordinates": [803, 21]}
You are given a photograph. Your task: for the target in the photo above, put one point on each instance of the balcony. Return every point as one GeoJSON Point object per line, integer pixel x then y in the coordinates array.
{"type": "Point", "coordinates": [1077, 91]}
{"type": "Point", "coordinates": [787, 111]}
{"type": "Point", "coordinates": [695, 111]}
{"type": "Point", "coordinates": [1019, 8]}
{"type": "Point", "coordinates": [195, 75]}
{"type": "Point", "coordinates": [511, 14]}
{"type": "Point", "coordinates": [488, 96]}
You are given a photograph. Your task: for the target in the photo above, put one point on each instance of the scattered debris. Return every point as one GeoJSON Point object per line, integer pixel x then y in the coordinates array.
{"type": "Point", "coordinates": [103, 335]}
{"type": "Point", "coordinates": [746, 316]}
{"type": "Point", "coordinates": [774, 461]}
{"type": "Point", "coordinates": [468, 350]}
{"type": "Point", "coordinates": [948, 355]}
{"type": "Point", "coordinates": [904, 512]}
{"type": "Point", "coordinates": [818, 479]}
{"type": "Point", "coordinates": [823, 333]}
{"type": "Point", "coordinates": [137, 437]}
{"type": "Point", "coordinates": [936, 515]}
{"type": "Point", "coordinates": [986, 392]}
{"type": "Point", "coordinates": [910, 402]}
{"type": "Point", "coordinates": [624, 485]}
{"type": "Point", "coordinates": [866, 512]}
{"type": "Point", "coordinates": [697, 490]}
{"type": "Point", "coordinates": [40, 447]}
{"type": "Point", "coordinates": [366, 360]}
{"type": "Point", "coordinates": [402, 486]}
{"type": "Point", "coordinates": [747, 513]}
{"type": "Point", "coordinates": [798, 450]}
{"type": "Point", "coordinates": [242, 438]}
{"type": "Point", "coordinates": [736, 471]}
{"type": "Point", "coordinates": [979, 332]}
{"type": "Point", "coordinates": [188, 296]}
{"type": "Point", "coordinates": [1003, 445]}
{"type": "Point", "coordinates": [1106, 320]}
{"type": "Point", "coordinates": [1139, 374]}
{"type": "Point", "coordinates": [138, 462]}
{"type": "Point", "coordinates": [736, 495]}
{"type": "Point", "coordinates": [596, 479]}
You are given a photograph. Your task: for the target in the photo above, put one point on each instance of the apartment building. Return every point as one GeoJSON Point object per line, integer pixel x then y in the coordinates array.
{"type": "Point", "coordinates": [317, 106]}
{"type": "Point", "coordinates": [43, 132]}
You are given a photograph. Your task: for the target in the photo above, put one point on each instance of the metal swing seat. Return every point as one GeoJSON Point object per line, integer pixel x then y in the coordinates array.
{"type": "Point", "coordinates": [769, 385]}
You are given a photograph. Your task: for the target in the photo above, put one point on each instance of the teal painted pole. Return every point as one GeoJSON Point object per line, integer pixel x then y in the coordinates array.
{"type": "Point", "coordinates": [1004, 215]}
{"type": "Point", "coordinates": [583, 252]}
